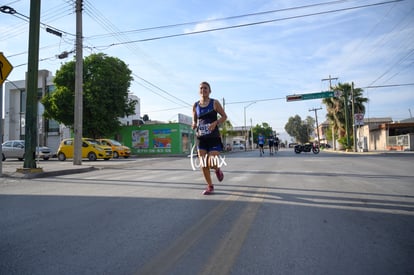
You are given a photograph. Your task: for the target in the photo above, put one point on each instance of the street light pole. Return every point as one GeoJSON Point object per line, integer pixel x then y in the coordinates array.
{"type": "Point", "coordinates": [245, 127]}
{"type": "Point", "coordinates": [251, 133]}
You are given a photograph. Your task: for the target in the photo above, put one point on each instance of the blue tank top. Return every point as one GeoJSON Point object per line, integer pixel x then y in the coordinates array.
{"type": "Point", "coordinates": [206, 116]}
{"type": "Point", "coordinates": [261, 139]}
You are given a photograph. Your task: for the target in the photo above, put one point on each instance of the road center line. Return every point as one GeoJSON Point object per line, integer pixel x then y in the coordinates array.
{"type": "Point", "coordinates": [223, 259]}
{"type": "Point", "coordinates": [164, 261]}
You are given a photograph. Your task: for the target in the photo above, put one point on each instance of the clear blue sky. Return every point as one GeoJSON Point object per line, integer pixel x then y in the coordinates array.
{"type": "Point", "coordinates": [246, 60]}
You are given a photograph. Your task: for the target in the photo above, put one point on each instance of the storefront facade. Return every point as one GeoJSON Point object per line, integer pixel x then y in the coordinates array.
{"type": "Point", "coordinates": [158, 139]}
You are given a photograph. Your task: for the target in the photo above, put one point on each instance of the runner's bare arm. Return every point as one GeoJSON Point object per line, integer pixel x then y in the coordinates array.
{"type": "Point", "coordinates": [219, 109]}
{"type": "Point", "coordinates": [194, 125]}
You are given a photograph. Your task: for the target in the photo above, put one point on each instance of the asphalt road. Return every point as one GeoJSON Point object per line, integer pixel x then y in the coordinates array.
{"type": "Point", "coordinates": [285, 214]}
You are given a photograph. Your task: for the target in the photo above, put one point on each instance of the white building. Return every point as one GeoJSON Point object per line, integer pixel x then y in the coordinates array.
{"type": "Point", "coordinates": [15, 107]}
{"type": "Point", "coordinates": [135, 118]}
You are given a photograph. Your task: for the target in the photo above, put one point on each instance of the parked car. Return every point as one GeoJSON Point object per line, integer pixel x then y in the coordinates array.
{"type": "Point", "coordinates": [293, 144]}
{"type": "Point", "coordinates": [238, 146]}
{"type": "Point", "coordinates": [43, 152]}
{"type": "Point", "coordinates": [118, 150]}
{"type": "Point", "coordinates": [15, 149]}
{"type": "Point", "coordinates": [91, 149]}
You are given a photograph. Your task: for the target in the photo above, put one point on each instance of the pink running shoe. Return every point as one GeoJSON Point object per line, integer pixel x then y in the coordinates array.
{"type": "Point", "coordinates": [219, 174]}
{"type": "Point", "coordinates": [209, 190]}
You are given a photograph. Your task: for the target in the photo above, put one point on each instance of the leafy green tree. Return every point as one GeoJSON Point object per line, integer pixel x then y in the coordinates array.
{"type": "Point", "coordinates": [106, 81]}
{"type": "Point", "coordinates": [300, 129]}
{"type": "Point", "coordinates": [339, 110]}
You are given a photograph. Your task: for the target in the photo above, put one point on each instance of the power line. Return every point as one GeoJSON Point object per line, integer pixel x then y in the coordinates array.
{"type": "Point", "coordinates": [255, 100]}
{"type": "Point", "coordinates": [388, 86]}
{"type": "Point", "coordinates": [255, 23]}
{"type": "Point", "coordinates": [400, 45]}
{"type": "Point", "coordinates": [98, 17]}
{"type": "Point", "coordinates": [229, 17]}
{"type": "Point", "coordinates": [162, 90]}
{"type": "Point", "coordinates": [12, 11]}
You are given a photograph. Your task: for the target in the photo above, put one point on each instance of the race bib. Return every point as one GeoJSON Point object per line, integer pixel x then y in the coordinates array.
{"type": "Point", "coordinates": [203, 129]}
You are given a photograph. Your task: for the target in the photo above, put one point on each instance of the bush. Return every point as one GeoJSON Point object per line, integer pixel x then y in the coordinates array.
{"type": "Point", "coordinates": [342, 141]}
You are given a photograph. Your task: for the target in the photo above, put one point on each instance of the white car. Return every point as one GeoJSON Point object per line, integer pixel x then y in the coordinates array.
{"type": "Point", "coordinates": [15, 149]}
{"type": "Point", "coordinates": [238, 146]}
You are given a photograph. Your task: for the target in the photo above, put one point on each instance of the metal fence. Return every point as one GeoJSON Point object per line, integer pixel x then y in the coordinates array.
{"type": "Point", "coordinates": [401, 142]}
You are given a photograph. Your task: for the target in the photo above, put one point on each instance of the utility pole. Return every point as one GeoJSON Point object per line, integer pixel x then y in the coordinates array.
{"type": "Point", "coordinates": [31, 84]}
{"type": "Point", "coordinates": [353, 117]}
{"type": "Point", "coordinates": [317, 125]}
{"type": "Point", "coordinates": [330, 81]}
{"type": "Point", "coordinates": [77, 156]}
{"type": "Point", "coordinates": [246, 135]}
{"type": "Point", "coordinates": [348, 137]}
{"type": "Point", "coordinates": [333, 128]}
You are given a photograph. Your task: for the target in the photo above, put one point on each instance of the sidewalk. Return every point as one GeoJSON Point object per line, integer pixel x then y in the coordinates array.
{"type": "Point", "coordinates": [54, 167]}
{"type": "Point", "coordinates": [376, 152]}
{"type": "Point", "coordinates": [43, 169]}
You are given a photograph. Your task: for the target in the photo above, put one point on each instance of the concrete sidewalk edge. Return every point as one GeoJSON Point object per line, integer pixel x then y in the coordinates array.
{"type": "Point", "coordinates": [44, 174]}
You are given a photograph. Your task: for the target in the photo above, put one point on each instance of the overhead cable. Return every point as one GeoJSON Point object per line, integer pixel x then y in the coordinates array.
{"type": "Point", "coordinates": [255, 23]}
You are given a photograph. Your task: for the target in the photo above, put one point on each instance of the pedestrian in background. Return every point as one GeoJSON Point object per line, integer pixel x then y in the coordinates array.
{"type": "Point", "coordinates": [261, 141]}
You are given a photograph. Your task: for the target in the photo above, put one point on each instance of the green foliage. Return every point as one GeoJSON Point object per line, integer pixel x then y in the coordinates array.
{"type": "Point", "coordinates": [328, 133]}
{"type": "Point", "coordinates": [226, 128]}
{"type": "Point", "coordinates": [300, 129]}
{"type": "Point", "coordinates": [339, 110]}
{"type": "Point", "coordinates": [263, 129]}
{"type": "Point", "coordinates": [343, 142]}
{"type": "Point", "coordinates": [106, 81]}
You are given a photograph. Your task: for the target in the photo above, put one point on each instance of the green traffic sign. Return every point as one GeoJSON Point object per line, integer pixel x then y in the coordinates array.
{"type": "Point", "coordinates": [318, 95]}
{"type": "Point", "coordinates": [297, 97]}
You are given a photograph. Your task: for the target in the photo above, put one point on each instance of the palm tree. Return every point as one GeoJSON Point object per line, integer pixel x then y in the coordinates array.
{"type": "Point", "coordinates": [339, 109]}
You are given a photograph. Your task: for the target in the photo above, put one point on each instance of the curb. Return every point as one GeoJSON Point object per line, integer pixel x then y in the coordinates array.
{"type": "Point", "coordinates": [32, 175]}
{"type": "Point", "coordinates": [58, 173]}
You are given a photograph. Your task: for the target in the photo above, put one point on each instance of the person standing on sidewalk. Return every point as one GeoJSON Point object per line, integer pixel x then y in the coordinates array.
{"type": "Point", "coordinates": [209, 144]}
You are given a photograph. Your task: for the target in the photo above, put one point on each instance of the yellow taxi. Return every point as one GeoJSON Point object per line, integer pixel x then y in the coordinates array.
{"type": "Point", "coordinates": [91, 150]}
{"type": "Point", "coordinates": [118, 149]}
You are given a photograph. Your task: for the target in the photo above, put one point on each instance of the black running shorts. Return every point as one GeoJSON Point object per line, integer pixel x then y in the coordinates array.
{"type": "Point", "coordinates": [210, 144]}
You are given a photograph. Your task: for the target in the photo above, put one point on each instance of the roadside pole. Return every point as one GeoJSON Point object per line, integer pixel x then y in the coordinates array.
{"type": "Point", "coordinates": [32, 84]}
{"type": "Point", "coordinates": [1, 129]}
{"type": "Point", "coordinates": [5, 69]}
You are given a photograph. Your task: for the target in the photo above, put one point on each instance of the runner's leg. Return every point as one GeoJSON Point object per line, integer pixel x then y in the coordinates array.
{"type": "Point", "coordinates": [203, 157]}
{"type": "Point", "coordinates": [214, 162]}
